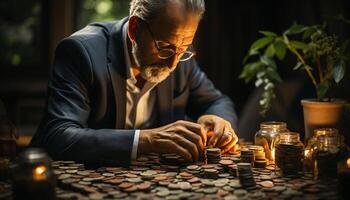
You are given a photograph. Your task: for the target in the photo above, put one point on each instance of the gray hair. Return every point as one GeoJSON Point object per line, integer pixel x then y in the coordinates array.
{"type": "Point", "coordinates": [148, 9]}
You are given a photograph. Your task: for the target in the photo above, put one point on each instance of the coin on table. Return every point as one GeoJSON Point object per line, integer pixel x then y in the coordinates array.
{"type": "Point", "coordinates": [133, 188]}
{"type": "Point", "coordinates": [194, 180]}
{"type": "Point", "coordinates": [210, 190]}
{"type": "Point", "coordinates": [267, 184]}
{"type": "Point", "coordinates": [185, 185]}
{"type": "Point", "coordinates": [240, 192]}
{"type": "Point", "coordinates": [226, 162]}
{"type": "Point", "coordinates": [64, 176]}
{"type": "Point", "coordinates": [163, 193]}
{"type": "Point", "coordinates": [279, 188]}
{"type": "Point", "coordinates": [125, 185]}
{"type": "Point", "coordinates": [144, 186]}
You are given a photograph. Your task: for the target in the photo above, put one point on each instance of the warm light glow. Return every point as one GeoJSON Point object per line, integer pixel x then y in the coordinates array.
{"type": "Point", "coordinates": [348, 162]}
{"type": "Point", "coordinates": [39, 173]}
{"type": "Point", "coordinates": [306, 152]}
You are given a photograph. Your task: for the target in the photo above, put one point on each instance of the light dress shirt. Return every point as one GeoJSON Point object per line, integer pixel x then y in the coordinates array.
{"type": "Point", "coordinates": [140, 103]}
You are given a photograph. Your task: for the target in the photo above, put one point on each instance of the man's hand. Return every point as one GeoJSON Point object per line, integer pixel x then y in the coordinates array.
{"type": "Point", "coordinates": [219, 132]}
{"type": "Point", "coordinates": [183, 138]}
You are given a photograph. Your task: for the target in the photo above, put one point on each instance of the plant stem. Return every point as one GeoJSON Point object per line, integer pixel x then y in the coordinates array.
{"type": "Point", "coordinates": [308, 71]}
{"type": "Point", "coordinates": [319, 69]}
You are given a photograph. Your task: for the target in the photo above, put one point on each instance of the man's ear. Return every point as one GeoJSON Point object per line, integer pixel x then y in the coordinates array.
{"type": "Point", "coordinates": [134, 28]}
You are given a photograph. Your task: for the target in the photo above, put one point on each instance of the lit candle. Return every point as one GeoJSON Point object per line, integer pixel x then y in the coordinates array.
{"type": "Point", "coordinates": [33, 176]}
{"type": "Point", "coordinates": [39, 173]}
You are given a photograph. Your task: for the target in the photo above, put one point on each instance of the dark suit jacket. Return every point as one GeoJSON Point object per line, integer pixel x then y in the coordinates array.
{"type": "Point", "coordinates": [85, 114]}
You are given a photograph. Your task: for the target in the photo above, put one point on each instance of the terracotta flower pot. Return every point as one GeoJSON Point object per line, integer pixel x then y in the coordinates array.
{"type": "Point", "coordinates": [319, 114]}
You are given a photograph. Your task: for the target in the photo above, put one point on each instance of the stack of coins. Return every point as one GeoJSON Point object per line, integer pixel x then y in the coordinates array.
{"type": "Point", "coordinates": [213, 155]}
{"type": "Point", "coordinates": [245, 175]}
{"type": "Point", "coordinates": [247, 156]}
{"type": "Point", "coordinates": [259, 156]}
{"type": "Point", "coordinates": [194, 169]}
{"type": "Point", "coordinates": [226, 163]}
{"type": "Point", "coordinates": [288, 158]}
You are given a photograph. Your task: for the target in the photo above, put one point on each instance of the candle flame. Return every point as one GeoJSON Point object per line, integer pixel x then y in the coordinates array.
{"type": "Point", "coordinates": [40, 170]}
{"type": "Point", "coordinates": [39, 173]}
{"type": "Point", "coordinates": [348, 162]}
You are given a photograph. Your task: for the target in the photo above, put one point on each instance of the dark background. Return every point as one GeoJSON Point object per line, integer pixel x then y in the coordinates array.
{"type": "Point", "coordinates": [30, 30]}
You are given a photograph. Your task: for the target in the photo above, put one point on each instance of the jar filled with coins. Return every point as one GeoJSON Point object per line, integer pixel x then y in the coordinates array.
{"type": "Point", "coordinates": [267, 135]}
{"type": "Point", "coordinates": [330, 150]}
{"type": "Point", "coordinates": [312, 145]}
{"type": "Point", "coordinates": [289, 154]}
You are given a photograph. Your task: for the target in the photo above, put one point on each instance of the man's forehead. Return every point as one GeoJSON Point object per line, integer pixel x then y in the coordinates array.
{"type": "Point", "coordinates": [175, 22]}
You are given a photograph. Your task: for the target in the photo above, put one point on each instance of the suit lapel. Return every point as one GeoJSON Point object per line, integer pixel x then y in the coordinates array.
{"type": "Point", "coordinates": [164, 100]}
{"type": "Point", "coordinates": [117, 70]}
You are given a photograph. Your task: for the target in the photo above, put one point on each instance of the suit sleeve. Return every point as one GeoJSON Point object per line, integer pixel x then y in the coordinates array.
{"type": "Point", "coordinates": [64, 132]}
{"type": "Point", "coordinates": [205, 98]}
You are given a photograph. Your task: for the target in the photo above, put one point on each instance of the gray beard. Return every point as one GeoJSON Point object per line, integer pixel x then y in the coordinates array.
{"type": "Point", "coordinates": [151, 73]}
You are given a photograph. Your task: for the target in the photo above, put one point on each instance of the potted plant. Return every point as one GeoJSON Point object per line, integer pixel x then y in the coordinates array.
{"type": "Point", "coordinates": [318, 53]}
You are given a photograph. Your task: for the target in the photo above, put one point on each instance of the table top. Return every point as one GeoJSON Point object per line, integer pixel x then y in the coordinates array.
{"type": "Point", "coordinates": [149, 178]}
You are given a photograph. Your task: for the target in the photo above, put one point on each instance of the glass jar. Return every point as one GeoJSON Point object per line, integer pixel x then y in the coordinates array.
{"type": "Point", "coordinates": [344, 177]}
{"type": "Point", "coordinates": [328, 153]}
{"type": "Point", "coordinates": [33, 177]}
{"type": "Point", "coordinates": [312, 145]}
{"type": "Point", "coordinates": [289, 154]}
{"type": "Point", "coordinates": [267, 135]}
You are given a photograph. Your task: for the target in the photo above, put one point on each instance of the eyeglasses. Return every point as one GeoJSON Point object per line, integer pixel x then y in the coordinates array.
{"type": "Point", "coordinates": [165, 53]}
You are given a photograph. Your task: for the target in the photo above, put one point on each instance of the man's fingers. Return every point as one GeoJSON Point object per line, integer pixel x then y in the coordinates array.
{"type": "Point", "coordinates": [193, 137]}
{"type": "Point", "coordinates": [168, 146]}
{"type": "Point", "coordinates": [233, 149]}
{"type": "Point", "coordinates": [210, 134]}
{"type": "Point", "coordinates": [216, 136]}
{"type": "Point", "coordinates": [228, 146]}
{"type": "Point", "coordinates": [196, 128]}
{"type": "Point", "coordinates": [226, 138]}
{"type": "Point", "coordinates": [187, 144]}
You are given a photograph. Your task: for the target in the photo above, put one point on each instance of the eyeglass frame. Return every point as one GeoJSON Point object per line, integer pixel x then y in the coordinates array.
{"type": "Point", "coordinates": [168, 49]}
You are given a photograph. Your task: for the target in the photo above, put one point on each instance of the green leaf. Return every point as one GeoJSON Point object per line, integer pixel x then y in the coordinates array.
{"type": "Point", "coordinates": [308, 32]}
{"type": "Point", "coordinates": [280, 50]}
{"type": "Point", "coordinates": [250, 53]}
{"type": "Point", "coordinates": [299, 45]}
{"type": "Point", "coordinates": [294, 29]}
{"type": "Point", "coordinates": [270, 51]}
{"type": "Point", "coordinates": [272, 74]}
{"type": "Point", "coordinates": [268, 33]}
{"type": "Point", "coordinates": [250, 70]}
{"type": "Point", "coordinates": [268, 61]}
{"type": "Point", "coordinates": [322, 89]}
{"type": "Point", "coordinates": [297, 66]}
{"type": "Point", "coordinates": [339, 71]}
{"type": "Point", "coordinates": [262, 42]}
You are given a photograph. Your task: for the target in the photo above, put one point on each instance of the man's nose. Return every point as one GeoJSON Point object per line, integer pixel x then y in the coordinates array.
{"type": "Point", "coordinates": [173, 60]}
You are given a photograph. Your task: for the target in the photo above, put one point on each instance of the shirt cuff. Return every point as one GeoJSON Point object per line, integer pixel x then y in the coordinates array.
{"type": "Point", "coordinates": [135, 145]}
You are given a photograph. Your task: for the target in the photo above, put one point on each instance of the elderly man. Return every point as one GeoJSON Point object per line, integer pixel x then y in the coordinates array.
{"type": "Point", "coordinates": [122, 89]}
